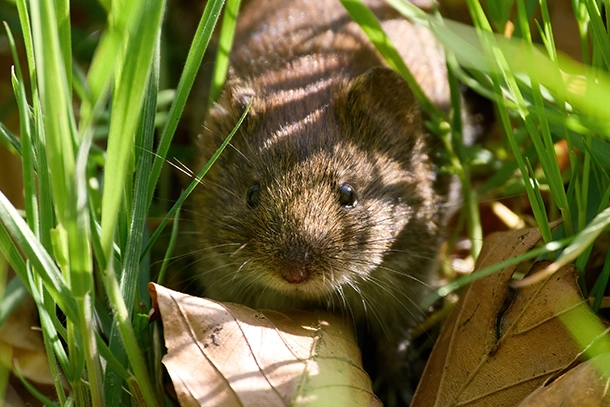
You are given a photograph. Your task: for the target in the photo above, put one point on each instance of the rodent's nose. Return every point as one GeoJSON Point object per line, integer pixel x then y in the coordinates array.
{"type": "Point", "coordinates": [296, 274]}
{"type": "Point", "coordinates": [295, 265]}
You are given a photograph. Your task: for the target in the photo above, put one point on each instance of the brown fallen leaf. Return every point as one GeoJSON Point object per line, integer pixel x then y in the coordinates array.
{"type": "Point", "coordinates": [222, 354]}
{"type": "Point", "coordinates": [13, 399]}
{"type": "Point", "coordinates": [584, 385]}
{"type": "Point", "coordinates": [492, 355]}
{"type": "Point", "coordinates": [21, 342]}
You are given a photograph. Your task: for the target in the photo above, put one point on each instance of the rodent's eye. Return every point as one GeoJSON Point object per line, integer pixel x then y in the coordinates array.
{"type": "Point", "coordinates": [347, 196]}
{"type": "Point", "coordinates": [254, 196]}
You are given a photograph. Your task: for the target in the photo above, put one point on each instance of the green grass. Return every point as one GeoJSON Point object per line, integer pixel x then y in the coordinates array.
{"type": "Point", "coordinates": [82, 241]}
{"type": "Point", "coordinates": [72, 227]}
{"type": "Point", "coordinates": [547, 96]}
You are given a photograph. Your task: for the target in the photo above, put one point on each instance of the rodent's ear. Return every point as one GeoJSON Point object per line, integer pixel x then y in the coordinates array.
{"type": "Point", "coordinates": [225, 113]}
{"type": "Point", "coordinates": [233, 101]}
{"type": "Point", "coordinates": [239, 95]}
{"type": "Point", "coordinates": [380, 98]}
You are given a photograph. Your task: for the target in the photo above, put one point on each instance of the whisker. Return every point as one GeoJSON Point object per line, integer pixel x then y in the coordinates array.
{"type": "Point", "coordinates": [183, 168]}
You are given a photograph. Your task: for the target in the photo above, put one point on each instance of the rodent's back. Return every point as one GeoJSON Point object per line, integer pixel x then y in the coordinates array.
{"type": "Point", "coordinates": [290, 44]}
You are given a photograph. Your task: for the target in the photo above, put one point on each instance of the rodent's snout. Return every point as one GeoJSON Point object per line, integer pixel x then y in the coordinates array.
{"type": "Point", "coordinates": [296, 275]}
{"type": "Point", "coordinates": [295, 265]}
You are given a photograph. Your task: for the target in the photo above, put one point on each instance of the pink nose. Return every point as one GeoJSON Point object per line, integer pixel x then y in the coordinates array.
{"type": "Point", "coordinates": [296, 274]}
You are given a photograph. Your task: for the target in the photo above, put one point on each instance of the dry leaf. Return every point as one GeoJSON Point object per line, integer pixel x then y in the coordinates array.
{"type": "Point", "coordinates": [20, 341]}
{"type": "Point", "coordinates": [231, 355]}
{"type": "Point", "coordinates": [13, 399]}
{"type": "Point", "coordinates": [490, 357]}
{"type": "Point", "coordinates": [584, 385]}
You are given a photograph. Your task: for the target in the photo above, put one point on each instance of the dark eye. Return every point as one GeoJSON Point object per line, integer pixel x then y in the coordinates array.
{"type": "Point", "coordinates": [254, 196]}
{"type": "Point", "coordinates": [347, 196]}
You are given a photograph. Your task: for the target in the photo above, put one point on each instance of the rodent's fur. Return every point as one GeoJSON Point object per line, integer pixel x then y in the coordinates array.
{"type": "Point", "coordinates": [325, 113]}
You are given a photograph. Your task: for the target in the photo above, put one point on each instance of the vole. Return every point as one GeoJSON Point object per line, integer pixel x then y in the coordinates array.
{"type": "Point", "coordinates": [327, 197]}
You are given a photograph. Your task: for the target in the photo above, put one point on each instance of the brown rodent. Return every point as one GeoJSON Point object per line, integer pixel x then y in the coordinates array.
{"type": "Point", "coordinates": [326, 197]}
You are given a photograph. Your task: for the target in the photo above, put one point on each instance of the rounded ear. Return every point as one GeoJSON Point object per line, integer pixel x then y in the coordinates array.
{"type": "Point", "coordinates": [225, 113]}
{"type": "Point", "coordinates": [379, 111]}
{"type": "Point", "coordinates": [384, 94]}
{"type": "Point", "coordinates": [233, 101]}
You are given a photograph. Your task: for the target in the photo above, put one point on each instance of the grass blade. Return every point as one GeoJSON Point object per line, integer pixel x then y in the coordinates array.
{"type": "Point", "coordinates": [581, 242]}
{"type": "Point", "coordinates": [131, 269]}
{"type": "Point", "coordinates": [42, 261]}
{"type": "Point", "coordinates": [225, 43]}
{"type": "Point", "coordinates": [14, 293]}
{"type": "Point", "coordinates": [9, 138]}
{"type": "Point", "coordinates": [462, 282]}
{"type": "Point", "coordinates": [372, 27]}
{"type": "Point", "coordinates": [191, 66]}
{"type": "Point", "coordinates": [127, 102]}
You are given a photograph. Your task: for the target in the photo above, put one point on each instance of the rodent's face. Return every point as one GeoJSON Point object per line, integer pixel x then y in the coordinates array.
{"type": "Point", "coordinates": [308, 209]}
